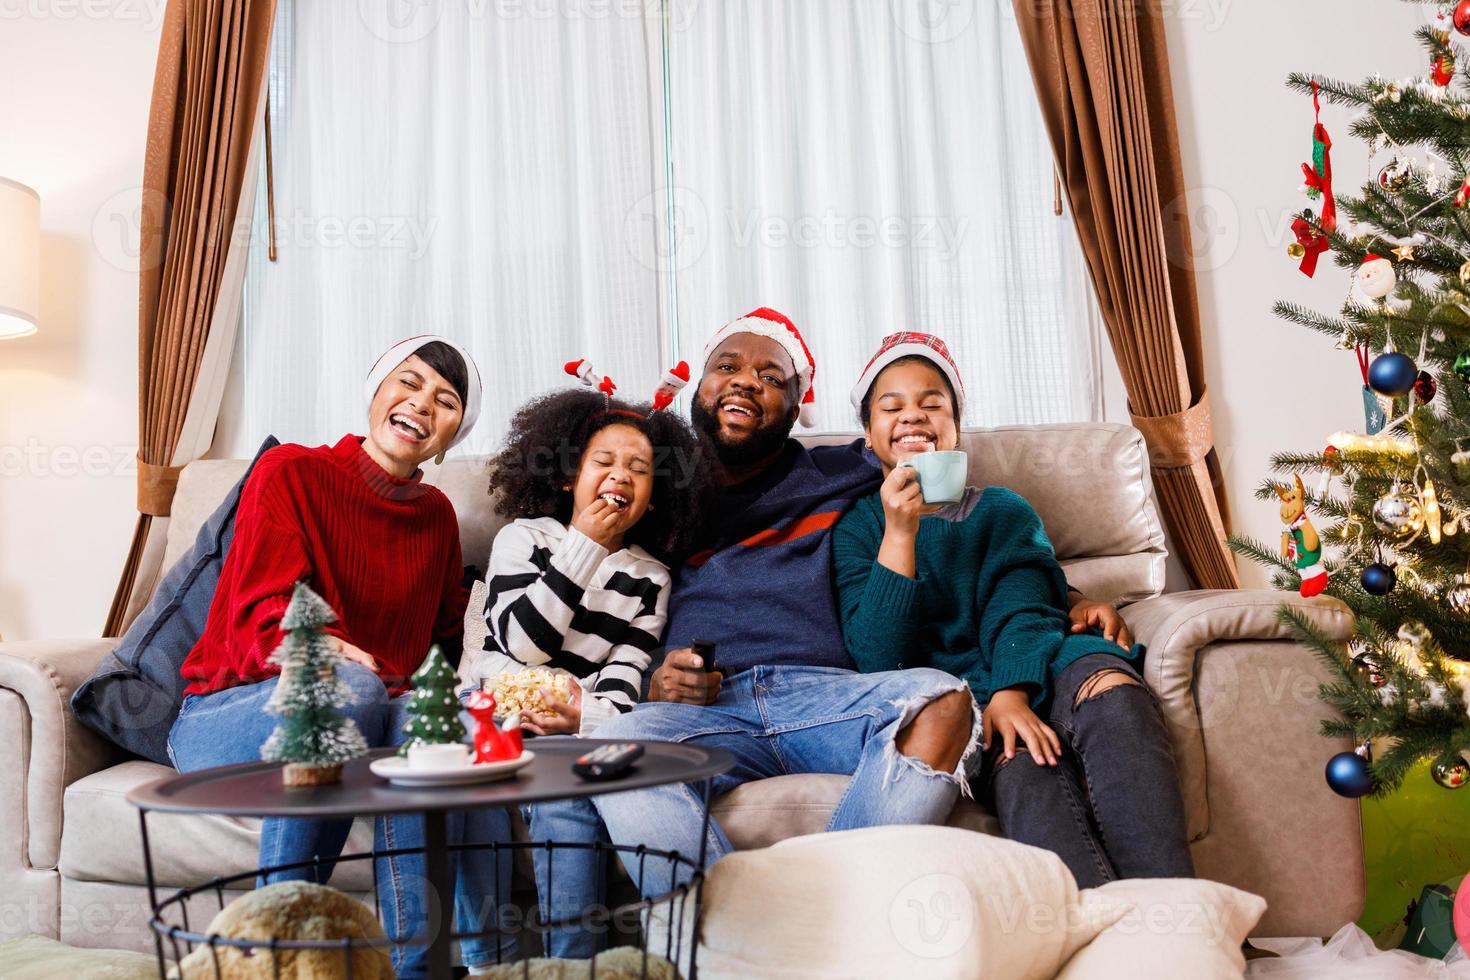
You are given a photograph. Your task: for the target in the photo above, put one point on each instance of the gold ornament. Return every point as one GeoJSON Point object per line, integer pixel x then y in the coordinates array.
{"type": "Point", "coordinates": [1429, 507]}
{"type": "Point", "coordinates": [1404, 253]}
{"type": "Point", "coordinates": [1296, 250]}
{"type": "Point", "coordinates": [1465, 273]}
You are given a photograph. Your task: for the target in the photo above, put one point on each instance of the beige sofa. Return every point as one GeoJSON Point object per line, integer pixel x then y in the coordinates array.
{"type": "Point", "coordinates": [1239, 697]}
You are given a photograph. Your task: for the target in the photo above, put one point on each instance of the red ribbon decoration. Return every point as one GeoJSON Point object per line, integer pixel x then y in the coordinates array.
{"type": "Point", "coordinates": [1314, 241]}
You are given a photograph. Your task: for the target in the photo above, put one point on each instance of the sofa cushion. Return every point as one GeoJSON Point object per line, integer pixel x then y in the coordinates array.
{"type": "Point", "coordinates": [1171, 927]}
{"type": "Point", "coordinates": [102, 841]}
{"type": "Point", "coordinates": [133, 696]}
{"type": "Point", "coordinates": [761, 813]}
{"type": "Point", "coordinates": [895, 902]}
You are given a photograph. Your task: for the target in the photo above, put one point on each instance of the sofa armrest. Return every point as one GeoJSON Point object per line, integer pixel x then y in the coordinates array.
{"type": "Point", "coordinates": [53, 750]}
{"type": "Point", "coordinates": [1176, 626]}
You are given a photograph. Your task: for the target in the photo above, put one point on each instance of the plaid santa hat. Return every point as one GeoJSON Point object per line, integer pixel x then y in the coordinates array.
{"type": "Point", "coordinates": [910, 343]}
{"type": "Point", "coordinates": [766, 322]}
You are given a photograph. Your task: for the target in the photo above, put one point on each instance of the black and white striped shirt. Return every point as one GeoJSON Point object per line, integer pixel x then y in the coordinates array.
{"type": "Point", "coordinates": [558, 599]}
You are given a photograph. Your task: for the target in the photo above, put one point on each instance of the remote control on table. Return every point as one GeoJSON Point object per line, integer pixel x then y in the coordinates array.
{"type": "Point", "coordinates": [607, 761]}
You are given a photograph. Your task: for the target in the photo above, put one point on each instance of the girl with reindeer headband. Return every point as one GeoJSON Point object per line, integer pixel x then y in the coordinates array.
{"type": "Point", "coordinates": [602, 495]}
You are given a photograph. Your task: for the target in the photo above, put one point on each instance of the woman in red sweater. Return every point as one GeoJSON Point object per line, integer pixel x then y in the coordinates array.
{"type": "Point", "coordinates": [382, 548]}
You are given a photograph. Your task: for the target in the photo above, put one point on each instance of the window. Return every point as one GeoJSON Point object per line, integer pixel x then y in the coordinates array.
{"type": "Point", "coordinates": [558, 179]}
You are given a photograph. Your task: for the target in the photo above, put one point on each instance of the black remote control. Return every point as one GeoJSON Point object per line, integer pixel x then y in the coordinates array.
{"type": "Point", "coordinates": [705, 651]}
{"type": "Point", "coordinates": [607, 761]}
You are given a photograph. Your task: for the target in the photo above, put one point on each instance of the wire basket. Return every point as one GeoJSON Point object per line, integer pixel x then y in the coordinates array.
{"type": "Point", "coordinates": [663, 930]}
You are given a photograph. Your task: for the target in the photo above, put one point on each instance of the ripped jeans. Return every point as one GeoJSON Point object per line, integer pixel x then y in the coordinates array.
{"type": "Point", "coordinates": [777, 721]}
{"type": "Point", "coordinates": [1111, 808]}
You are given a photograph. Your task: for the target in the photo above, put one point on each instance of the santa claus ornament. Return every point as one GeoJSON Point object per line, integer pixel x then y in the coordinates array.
{"type": "Point", "coordinates": [583, 371]}
{"type": "Point", "coordinates": [1375, 278]}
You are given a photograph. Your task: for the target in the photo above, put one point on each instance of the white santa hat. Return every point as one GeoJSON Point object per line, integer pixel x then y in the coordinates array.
{"type": "Point", "coordinates": [910, 343]}
{"type": "Point", "coordinates": [766, 322]}
{"type": "Point", "coordinates": [405, 349]}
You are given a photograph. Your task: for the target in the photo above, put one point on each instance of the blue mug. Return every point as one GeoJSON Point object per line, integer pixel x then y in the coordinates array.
{"type": "Point", "coordinates": [942, 475]}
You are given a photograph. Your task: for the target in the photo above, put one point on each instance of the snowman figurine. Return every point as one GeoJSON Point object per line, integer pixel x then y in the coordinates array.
{"type": "Point", "coordinates": [1375, 278]}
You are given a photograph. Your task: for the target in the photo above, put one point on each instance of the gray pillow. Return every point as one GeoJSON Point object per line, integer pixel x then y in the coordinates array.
{"type": "Point", "coordinates": [133, 696]}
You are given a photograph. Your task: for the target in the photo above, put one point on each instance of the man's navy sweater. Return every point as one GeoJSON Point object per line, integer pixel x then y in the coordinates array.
{"type": "Point", "coordinates": [762, 590]}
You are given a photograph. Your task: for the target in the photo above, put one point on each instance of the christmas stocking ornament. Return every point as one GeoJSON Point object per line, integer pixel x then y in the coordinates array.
{"type": "Point", "coordinates": [1311, 241]}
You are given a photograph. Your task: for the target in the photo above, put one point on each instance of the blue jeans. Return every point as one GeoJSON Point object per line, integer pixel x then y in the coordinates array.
{"type": "Point", "coordinates": [229, 727]}
{"type": "Point", "coordinates": [1111, 808]}
{"type": "Point", "coordinates": [776, 721]}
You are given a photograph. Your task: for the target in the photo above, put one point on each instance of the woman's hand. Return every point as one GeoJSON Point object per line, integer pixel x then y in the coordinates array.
{"type": "Point", "coordinates": [560, 717]}
{"type": "Point", "coordinates": [1089, 613]}
{"type": "Point", "coordinates": [903, 502]}
{"type": "Point", "coordinates": [1009, 714]}
{"type": "Point", "coordinates": [350, 652]}
{"type": "Point", "coordinates": [603, 522]}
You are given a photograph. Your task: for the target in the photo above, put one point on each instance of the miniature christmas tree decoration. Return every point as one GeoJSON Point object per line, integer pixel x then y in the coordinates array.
{"type": "Point", "coordinates": [433, 710]}
{"type": "Point", "coordinates": [313, 736]}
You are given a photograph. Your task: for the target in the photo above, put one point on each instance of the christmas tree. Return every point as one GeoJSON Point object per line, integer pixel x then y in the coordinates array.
{"type": "Point", "coordinates": [433, 709]}
{"type": "Point", "coordinates": [313, 736]}
{"type": "Point", "coordinates": [1393, 532]}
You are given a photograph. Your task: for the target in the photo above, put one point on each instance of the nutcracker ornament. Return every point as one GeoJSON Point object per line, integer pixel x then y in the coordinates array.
{"type": "Point", "coordinates": [1299, 540]}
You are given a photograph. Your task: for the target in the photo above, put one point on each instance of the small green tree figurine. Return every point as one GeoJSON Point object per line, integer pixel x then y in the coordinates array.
{"type": "Point", "coordinates": [433, 710]}
{"type": "Point", "coordinates": [313, 737]}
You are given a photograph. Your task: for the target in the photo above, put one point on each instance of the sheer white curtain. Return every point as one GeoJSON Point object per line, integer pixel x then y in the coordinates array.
{"type": "Point", "coordinates": [872, 166]}
{"type": "Point", "coordinates": [466, 175]}
{"type": "Point", "coordinates": [514, 176]}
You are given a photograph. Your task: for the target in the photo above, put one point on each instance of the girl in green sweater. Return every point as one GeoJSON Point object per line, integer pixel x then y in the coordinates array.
{"type": "Point", "coordinates": [974, 588]}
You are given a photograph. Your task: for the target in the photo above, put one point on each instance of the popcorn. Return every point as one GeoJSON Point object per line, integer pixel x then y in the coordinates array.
{"type": "Point", "coordinates": [520, 691]}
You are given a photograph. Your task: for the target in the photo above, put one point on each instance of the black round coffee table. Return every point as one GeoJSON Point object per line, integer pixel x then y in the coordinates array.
{"type": "Point", "coordinates": [254, 789]}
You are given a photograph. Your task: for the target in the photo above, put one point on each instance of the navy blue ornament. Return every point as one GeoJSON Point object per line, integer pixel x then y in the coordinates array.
{"type": "Point", "coordinates": [1348, 775]}
{"type": "Point", "coordinates": [1393, 374]}
{"type": "Point", "coordinates": [1379, 579]}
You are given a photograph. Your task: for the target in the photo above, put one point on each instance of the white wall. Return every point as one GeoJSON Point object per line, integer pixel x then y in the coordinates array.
{"type": "Point", "coordinates": [76, 78]}
{"type": "Point", "coordinates": [1274, 386]}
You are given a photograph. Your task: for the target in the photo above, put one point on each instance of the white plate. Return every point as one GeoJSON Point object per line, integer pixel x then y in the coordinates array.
{"type": "Point", "coordinates": [394, 768]}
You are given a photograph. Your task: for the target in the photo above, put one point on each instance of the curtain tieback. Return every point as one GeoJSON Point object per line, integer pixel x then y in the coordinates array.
{"type": "Point", "coordinates": [156, 486]}
{"type": "Point", "coordinates": [1179, 440]}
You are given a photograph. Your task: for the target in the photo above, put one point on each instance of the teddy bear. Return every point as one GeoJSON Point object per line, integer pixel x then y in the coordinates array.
{"type": "Point", "coordinates": [290, 910]}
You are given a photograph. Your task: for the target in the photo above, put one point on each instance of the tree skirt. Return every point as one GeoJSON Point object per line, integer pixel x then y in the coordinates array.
{"type": "Point", "coordinates": [1351, 955]}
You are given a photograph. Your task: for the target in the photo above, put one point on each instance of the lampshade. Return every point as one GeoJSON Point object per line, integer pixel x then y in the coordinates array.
{"type": "Point", "coordinates": [20, 259]}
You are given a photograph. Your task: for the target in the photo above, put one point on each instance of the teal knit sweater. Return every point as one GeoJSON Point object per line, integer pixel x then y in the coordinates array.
{"type": "Point", "coordinates": [989, 604]}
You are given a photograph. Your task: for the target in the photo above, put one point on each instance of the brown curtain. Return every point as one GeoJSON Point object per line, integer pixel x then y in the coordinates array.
{"type": "Point", "coordinates": [207, 88]}
{"type": "Point", "coordinates": [1102, 75]}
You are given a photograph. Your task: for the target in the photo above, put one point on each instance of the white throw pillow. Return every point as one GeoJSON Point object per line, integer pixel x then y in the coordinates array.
{"type": "Point", "coordinates": [1171, 928]}
{"type": "Point", "coordinates": [934, 902]}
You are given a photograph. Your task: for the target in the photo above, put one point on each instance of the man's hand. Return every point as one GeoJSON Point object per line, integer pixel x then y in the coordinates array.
{"type": "Point", "coordinates": [1009, 714]}
{"type": "Point", "coordinates": [350, 652]}
{"type": "Point", "coordinates": [560, 717]}
{"type": "Point", "coordinates": [603, 522]}
{"type": "Point", "coordinates": [1089, 613]}
{"type": "Point", "coordinates": [682, 677]}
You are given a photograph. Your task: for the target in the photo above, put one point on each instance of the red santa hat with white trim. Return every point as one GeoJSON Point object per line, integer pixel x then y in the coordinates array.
{"type": "Point", "coordinates": [766, 322]}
